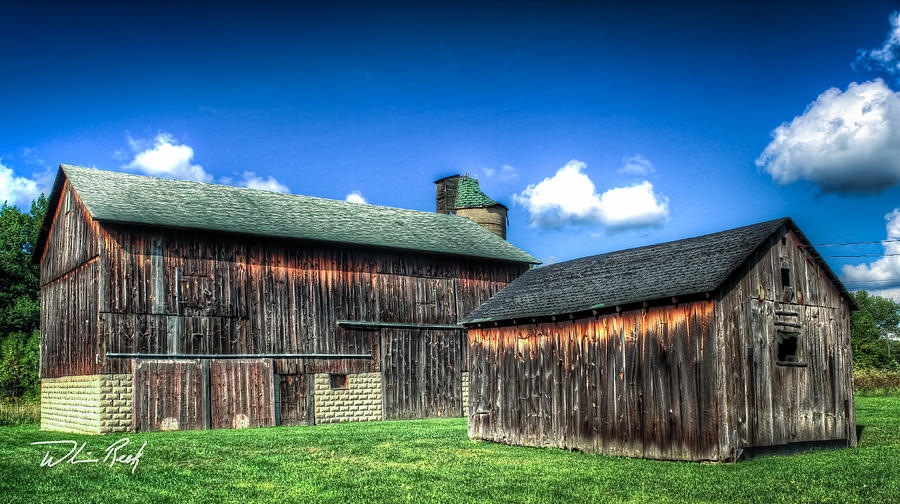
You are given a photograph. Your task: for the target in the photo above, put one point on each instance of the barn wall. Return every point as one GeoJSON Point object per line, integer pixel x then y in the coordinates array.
{"type": "Point", "coordinates": [771, 404]}
{"type": "Point", "coordinates": [640, 384]}
{"type": "Point", "coordinates": [168, 291]}
{"type": "Point", "coordinates": [69, 278]}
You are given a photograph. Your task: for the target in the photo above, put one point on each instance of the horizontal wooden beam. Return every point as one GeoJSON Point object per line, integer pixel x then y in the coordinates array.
{"type": "Point", "coordinates": [116, 355]}
{"type": "Point", "coordinates": [374, 326]}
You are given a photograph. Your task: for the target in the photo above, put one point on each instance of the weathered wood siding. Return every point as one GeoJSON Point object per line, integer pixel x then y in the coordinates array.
{"type": "Point", "coordinates": [422, 373]}
{"type": "Point", "coordinates": [69, 279]}
{"type": "Point", "coordinates": [168, 291]}
{"type": "Point", "coordinates": [771, 404]}
{"type": "Point", "coordinates": [640, 384]}
{"type": "Point", "coordinates": [241, 394]}
{"type": "Point", "coordinates": [168, 395]}
{"type": "Point", "coordinates": [295, 400]}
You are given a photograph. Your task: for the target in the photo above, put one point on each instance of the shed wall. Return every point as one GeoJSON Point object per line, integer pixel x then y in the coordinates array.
{"type": "Point", "coordinates": [640, 384]}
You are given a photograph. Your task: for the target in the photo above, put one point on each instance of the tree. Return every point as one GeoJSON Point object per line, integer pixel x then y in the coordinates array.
{"type": "Point", "coordinates": [871, 331]}
{"type": "Point", "coordinates": [19, 299]}
{"type": "Point", "coordinates": [19, 363]}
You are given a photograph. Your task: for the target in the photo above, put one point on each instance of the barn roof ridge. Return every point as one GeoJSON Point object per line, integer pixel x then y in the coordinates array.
{"type": "Point", "coordinates": [684, 267]}
{"type": "Point", "coordinates": [170, 203]}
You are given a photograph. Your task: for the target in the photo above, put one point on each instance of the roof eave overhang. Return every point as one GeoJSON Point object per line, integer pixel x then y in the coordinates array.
{"type": "Point", "coordinates": [322, 242]}
{"type": "Point", "coordinates": [592, 311]}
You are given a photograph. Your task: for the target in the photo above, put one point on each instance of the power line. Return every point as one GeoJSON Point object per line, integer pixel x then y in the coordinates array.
{"type": "Point", "coordinates": [864, 255]}
{"type": "Point", "coordinates": [856, 243]}
{"type": "Point", "coordinates": [867, 282]}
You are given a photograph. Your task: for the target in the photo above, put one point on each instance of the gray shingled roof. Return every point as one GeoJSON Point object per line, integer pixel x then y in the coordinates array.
{"type": "Point", "coordinates": [678, 268]}
{"type": "Point", "coordinates": [135, 199]}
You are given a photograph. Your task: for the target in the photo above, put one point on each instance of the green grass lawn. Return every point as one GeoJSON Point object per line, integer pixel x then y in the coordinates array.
{"type": "Point", "coordinates": [434, 461]}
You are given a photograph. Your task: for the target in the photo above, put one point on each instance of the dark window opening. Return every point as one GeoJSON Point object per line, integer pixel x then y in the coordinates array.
{"type": "Point", "coordinates": [338, 381]}
{"type": "Point", "coordinates": [785, 277]}
{"type": "Point", "coordinates": [784, 240]}
{"type": "Point", "coordinates": [787, 347]}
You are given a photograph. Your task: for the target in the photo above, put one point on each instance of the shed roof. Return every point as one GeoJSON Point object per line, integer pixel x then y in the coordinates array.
{"type": "Point", "coordinates": [469, 195]}
{"type": "Point", "coordinates": [135, 199]}
{"type": "Point", "coordinates": [677, 268]}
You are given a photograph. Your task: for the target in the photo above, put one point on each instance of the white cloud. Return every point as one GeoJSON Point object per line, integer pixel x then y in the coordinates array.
{"type": "Point", "coordinates": [844, 142]}
{"type": "Point", "coordinates": [356, 197]}
{"type": "Point", "coordinates": [253, 181]}
{"type": "Point", "coordinates": [883, 273]}
{"type": "Point", "coordinates": [503, 174]}
{"type": "Point", "coordinates": [17, 190]}
{"type": "Point", "coordinates": [886, 57]}
{"type": "Point", "coordinates": [165, 158]}
{"type": "Point", "coordinates": [636, 165]}
{"type": "Point", "coordinates": [570, 198]}
{"type": "Point", "coordinates": [887, 293]}
{"type": "Point", "coordinates": [634, 207]}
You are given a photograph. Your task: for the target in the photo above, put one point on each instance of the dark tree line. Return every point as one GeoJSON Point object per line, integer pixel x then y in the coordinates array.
{"type": "Point", "coordinates": [20, 301]}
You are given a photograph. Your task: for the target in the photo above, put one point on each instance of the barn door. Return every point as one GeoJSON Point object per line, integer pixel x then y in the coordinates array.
{"type": "Point", "coordinates": [294, 400]}
{"type": "Point", "coordinates": [421, 373]}
{"type": "Point", "coordinates": [241, 394]}
{"type": "Point", "coordinates": [168, 395]}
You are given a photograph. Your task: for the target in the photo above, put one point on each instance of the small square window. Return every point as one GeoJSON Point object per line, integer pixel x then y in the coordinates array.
{"type": "Point", "coordinates": [785, 277]}
{"type": "Point", "coordinates": [787, 346]}
{"type": "Point", "coordinates": [338, 381]}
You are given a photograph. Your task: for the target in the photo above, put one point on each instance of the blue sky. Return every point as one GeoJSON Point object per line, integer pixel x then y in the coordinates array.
{"type": "Point", "coordinates": [649, 122]}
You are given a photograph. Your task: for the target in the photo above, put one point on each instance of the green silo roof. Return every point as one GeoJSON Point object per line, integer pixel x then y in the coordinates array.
{"type": "Point", "coordinates": [469, 195]}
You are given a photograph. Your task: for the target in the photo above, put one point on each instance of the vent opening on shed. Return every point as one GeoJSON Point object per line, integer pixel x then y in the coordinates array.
{"type": "Point", "coordinates": [785, 277]}
{"type": "Point", "coordinates": [787, 346]}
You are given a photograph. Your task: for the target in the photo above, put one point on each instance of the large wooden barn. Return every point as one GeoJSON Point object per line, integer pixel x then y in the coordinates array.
{"type": "Point", "coordinates": [180, 305]}
{"type": "Point", "coordinates": [691, 350]}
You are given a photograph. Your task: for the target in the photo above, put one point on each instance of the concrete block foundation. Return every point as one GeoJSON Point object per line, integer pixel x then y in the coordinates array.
{"type": "Point", "coordinates": [90, 404]}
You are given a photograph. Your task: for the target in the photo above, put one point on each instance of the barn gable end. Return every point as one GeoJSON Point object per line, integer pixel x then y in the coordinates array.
{"type": "Point", "coordinates": [69, 279]}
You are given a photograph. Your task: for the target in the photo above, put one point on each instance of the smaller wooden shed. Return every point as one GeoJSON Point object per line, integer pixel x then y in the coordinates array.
{"type": "Point", "coordinates": [694, 349]}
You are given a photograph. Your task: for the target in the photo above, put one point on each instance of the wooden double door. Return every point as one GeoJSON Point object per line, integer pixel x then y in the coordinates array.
{"type": "Point", "coordinates": [195, 394]}
{"type": "Point", "coordinates": [422, 373]}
